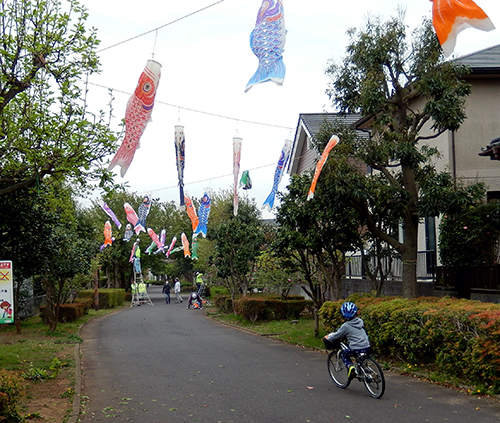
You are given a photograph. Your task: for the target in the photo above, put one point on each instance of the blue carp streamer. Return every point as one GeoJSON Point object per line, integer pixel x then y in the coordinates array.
{"type": "Point", "coordinates": [267, 42]}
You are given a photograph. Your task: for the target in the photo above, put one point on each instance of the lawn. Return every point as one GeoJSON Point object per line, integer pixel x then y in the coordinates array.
{"type": "Point", "coordinates": [298, 332]}
{"type": "Point", "coordinates": [46, 363]}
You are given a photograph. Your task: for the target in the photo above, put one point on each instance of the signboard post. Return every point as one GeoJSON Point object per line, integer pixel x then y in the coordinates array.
{"type": "Point", "coordinates": [6, 292]}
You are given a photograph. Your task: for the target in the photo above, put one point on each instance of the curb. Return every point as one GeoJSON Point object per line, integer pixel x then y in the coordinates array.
{"type": "Point", "coordinates": [75, 413]}
{"type": "Point", "coordinates": [77, 398]}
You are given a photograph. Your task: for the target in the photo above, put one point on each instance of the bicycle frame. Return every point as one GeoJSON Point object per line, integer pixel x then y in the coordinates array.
{"type": "Point", "coordinates": [368, 370]}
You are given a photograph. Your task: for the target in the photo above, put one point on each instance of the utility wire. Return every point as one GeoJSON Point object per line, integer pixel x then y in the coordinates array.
{"type": "Point", "coordinates": [199, 111]}
{"type": "Point", "coordinates": [160, 27]}
{"type": "Point", "coordinates": [207, 179]}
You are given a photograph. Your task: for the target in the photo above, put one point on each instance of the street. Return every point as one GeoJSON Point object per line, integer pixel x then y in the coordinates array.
{"type": "Point", "coordinates": [167, 364]}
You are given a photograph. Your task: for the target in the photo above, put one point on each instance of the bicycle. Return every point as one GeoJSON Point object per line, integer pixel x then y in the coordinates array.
{"type": "Point", "coordinates": [368, 370]}
{"type": "Point", "coordinates": [201, 294]}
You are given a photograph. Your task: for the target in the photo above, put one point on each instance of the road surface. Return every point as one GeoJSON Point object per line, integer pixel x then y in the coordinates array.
{"type": "Point", "coordinates": [166, 364]}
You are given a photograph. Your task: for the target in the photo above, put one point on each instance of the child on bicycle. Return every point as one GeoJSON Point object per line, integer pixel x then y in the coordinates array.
{"type": "Point", "coordinates": [354, 330]}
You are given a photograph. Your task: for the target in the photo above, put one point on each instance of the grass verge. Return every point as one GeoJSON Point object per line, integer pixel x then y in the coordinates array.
{"type": "Point", "coordinates": [298, 332]}
{"type": "Point", "coordinates": [46, 362]}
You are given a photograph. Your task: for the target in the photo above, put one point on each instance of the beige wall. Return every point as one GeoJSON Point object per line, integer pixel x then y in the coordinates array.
{"type": "Point", "coordinates": [481, 126]}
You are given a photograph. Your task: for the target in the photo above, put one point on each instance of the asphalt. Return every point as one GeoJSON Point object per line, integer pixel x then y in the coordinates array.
{"type": "Point", "coordinates": [163, 363]}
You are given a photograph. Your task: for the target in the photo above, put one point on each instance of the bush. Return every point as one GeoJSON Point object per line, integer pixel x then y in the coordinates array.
{"type": "Point", "coordinates": [460, 337]}
{"type": "Point", "coordinates": [266, 308]}
{"type": "Point", "coordinates": [10, 392]}
{"type": "Point", "coordinates": [87, 303]}
{"type": "Point", "coordinates": [218, 290]}
{"type": "Point", "coordinates": [67, 312]}
{"type": "Point", "coordinates": [224, 303]}
{"type": "Point", "coordinates": [108, 298]}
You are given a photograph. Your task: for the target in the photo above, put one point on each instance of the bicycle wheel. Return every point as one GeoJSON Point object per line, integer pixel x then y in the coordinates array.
{"type": "Point", "coordinates": [337, 370]}
{"type": "Point", "coordinates": [374, 378]}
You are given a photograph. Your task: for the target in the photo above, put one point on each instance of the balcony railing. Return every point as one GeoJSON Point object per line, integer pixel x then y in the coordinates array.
{"type": "Point", "coordinates": [426, 262]}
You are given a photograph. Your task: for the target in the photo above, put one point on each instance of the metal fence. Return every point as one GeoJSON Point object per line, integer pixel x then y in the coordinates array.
{"type": "Point", "coordinates": [394, 267]}
{"type": "Point", "coordinates": [29, 307]}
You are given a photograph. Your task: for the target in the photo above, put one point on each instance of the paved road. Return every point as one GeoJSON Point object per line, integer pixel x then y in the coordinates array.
{"type": "Point", "coordinates": [167, 364]}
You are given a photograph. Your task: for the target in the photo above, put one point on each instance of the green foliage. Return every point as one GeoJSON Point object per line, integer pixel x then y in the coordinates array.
{"type": "Point", "coordinates": [315, 235]}
{"type": "Point", "coordinates": [459, 337]}
{"type": "Point", "coordinates": [471, 236]}
{"type": "Point", "coordinates": [45, 129]}
{"type": "Point", "coordinates": [67, 312]}
{"type": "Point", "coordinates": [272, 272]}
{"type": "Point", "coordinates": [237, 241]}
{"type": "Point", "coordinates": [218, 290]}
{"type": "Point", "coordinates": [10, 393]}
{"type": "Point", "coordinates": [224, 303]}
{"type": "Point", "coordinates": [86, 302]}
{"type": "Point", "coordinates": [400, 86]}
{"type": "Point", "coordinates": [108, 298]}
{"type": "Point", "coordinates": [269, 308]}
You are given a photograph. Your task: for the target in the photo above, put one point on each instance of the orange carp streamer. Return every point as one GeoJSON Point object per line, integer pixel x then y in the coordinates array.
{"type": "Point", "coordinates": [191, 211]}
{"type": "Point", "coordinates": [334, 140]}
{"type": "Point", "coordinates": [185, 245]}
{"type": "Point", "coordinates": [450, 17]}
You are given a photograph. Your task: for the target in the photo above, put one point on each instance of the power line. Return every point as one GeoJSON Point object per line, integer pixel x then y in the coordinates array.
{"type": "Point", "coordinates": [207, 179]}
{"type": "Point", "coordinates": [160, 27]}
{"type": "Point", "coordinates": [199, 111]}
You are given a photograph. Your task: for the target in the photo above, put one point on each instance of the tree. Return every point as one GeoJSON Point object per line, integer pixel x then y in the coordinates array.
{"type": "Point", "coordinates": [471, 236]}
{"type": "Point", "coordinates": [272, 272]}
{"type": "Point", "coordinates": [401, 87]}
{"type": "Point", "coordinates": [25, 220]}
{"type": "Point", "coordinates": [237, 242]}
{"type": "Point", "coordinates": [43, 235]}
{"type": "Point", "coordinates": [68, 255]}
{"type": "Point", "coordinates": [45, 129]}
{"type": "Point", "coordinates": [313, 236]}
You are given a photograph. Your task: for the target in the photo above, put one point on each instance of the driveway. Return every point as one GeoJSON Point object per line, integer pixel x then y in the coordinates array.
{"type": "Point", "coordinates": [163, 363]}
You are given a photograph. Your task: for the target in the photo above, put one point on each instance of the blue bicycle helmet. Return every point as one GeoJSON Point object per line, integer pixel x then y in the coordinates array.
{"type": "Point", "coordinates": [348, 310]}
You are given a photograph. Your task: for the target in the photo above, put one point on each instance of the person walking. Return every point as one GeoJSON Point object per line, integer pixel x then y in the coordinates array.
{"type": "Point", "coordinates": [166, 291]}
{"type": "Point", "coordinates": [177, 290]}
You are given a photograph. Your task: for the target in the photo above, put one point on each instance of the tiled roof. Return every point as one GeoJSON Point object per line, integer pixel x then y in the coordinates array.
{"type": "Point", "coordinates": [483, 61]}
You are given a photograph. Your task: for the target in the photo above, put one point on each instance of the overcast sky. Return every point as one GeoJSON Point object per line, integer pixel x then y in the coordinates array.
{"type": "Point", "coordinates": [206, 63]}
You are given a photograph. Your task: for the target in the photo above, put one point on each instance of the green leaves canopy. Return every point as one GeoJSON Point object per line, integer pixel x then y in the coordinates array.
{"type": "Point", "coordinates": [45, 129]}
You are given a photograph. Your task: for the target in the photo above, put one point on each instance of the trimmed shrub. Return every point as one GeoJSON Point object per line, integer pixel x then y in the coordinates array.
{"type": "Point", "coordinates": [266, 308]}
{"type": "Point", "coordinates": [216, 290]}
{"type": "Point", "coordinates": [87, 303]}
{"type": "Point", "coordinates": [10, 392]}
{"type": "Point", "coordinates": [108, 298]}
{"type": "Point", "coordinates": [252, 309]}
{"type": "Point", "coordinates": [461, 337]}
{"type": "Point", "coordinates": [224, 303]}
{"type": "Point", "coordinates": [67, 312]}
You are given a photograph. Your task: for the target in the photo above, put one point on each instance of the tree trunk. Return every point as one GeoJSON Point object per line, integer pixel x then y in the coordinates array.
{"type": "Point", "coordinates": [17, 321]}
{"type": "Point", "coordinates": [51, 309]}
{"type": "Point", "coordinates": [409, 258]}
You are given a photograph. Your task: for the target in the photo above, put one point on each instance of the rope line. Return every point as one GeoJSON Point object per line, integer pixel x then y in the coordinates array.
{"type": "Point", "coordinates": [160, 27]}
{"type": "Point", "coordinates": [207, 179]}
{"type": "Point", "coordinates": [200, 111]}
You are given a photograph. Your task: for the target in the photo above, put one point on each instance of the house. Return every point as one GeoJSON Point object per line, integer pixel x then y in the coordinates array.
{"type": "Point", "coordinates": [460, 149]}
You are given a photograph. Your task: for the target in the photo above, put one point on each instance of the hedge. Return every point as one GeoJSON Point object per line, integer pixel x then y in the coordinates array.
{"type": "Point", "coordinates": [87, 303]}
{"type": "Point", "coordinates": [67, 312]}
{"type": "Point", "coordinates": [460, 337]}
{"type": "Point", "coordinates": [263, 308]}
{"type": "Point", "coordinates": [108, 298]}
